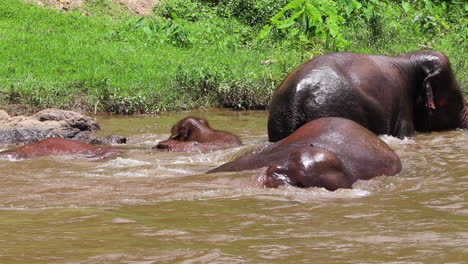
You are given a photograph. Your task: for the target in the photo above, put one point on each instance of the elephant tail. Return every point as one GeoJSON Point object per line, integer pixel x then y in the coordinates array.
{"type": "Point", "coordinates": [275, 129]}
{"type": "Point", "coordinates": [464, 118]}
{"type": "Point", "coordinates": [283, 124]}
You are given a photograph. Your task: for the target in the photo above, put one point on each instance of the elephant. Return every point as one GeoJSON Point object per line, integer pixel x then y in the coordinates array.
{"type": "Point", "coordinates": [330, 152]}
{"type": "Point", "coordinates": [60, 146]}
{"type": "Point", "coordinates": [195, 134]}
{"type": "Point", "coordinates": [394, 95]}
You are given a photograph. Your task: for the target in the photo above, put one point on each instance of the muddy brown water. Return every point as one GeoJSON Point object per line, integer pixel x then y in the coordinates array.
{"type": "Point", "coordinates": [152, 207]}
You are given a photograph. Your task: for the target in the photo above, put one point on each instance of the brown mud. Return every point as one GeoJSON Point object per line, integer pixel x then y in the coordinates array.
{"type": "Point", "coordinates": [141, 7]}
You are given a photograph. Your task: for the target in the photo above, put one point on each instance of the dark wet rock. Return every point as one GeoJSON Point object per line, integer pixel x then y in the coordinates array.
{"type": "Point", "coordinates": [84, 136]}
{"type": "Point", "coordinates": [49, 119]}
{"type": "Point", "coordinates": [88, 136]}
{"type": "Point", "coordinates": [112, 139]}
{"type": "Point", "coordinates": [47, 123]}
{"type": "Point", "coordinates": [67, 119]}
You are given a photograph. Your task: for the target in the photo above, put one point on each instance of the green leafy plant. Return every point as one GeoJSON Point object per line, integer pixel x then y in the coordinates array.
{"type": "Point", "coordinates": [200, 53]}
{"type": "Point", "coordinates": [254, 13]}
{"type": "Point", "coordinates": [174, 31]}
{"type": "Point", "coordinates": [311, 23]}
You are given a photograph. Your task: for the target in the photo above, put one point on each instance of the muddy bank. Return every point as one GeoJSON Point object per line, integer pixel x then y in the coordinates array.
{"type": "Point", "coordinates": [141, 7]}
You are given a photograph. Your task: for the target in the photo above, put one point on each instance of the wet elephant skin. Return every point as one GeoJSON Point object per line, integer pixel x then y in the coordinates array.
{"type": "Point", "coordinates": [195, 134]}
{"type": "Point", "coordinates": [394, 95]}
{"type": "Point", "coordinates": [60, 146]}
{"type": "Point", "coordinates": [328, 152]}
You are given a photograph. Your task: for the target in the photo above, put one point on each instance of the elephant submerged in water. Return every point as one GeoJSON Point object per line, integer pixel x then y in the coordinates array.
{"type": "Point", "coordinates": [394, 95]}
{"type": "Point", "coordinates": [195, 134]}
{"type": "Point", "coordinates": [60, 146]}
{"type": "Point", "coordinates": [328, 152]}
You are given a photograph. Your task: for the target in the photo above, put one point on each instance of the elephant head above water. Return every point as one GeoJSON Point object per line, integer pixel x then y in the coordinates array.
{"type": "Point", "coordinates": [327, 152]}
{"type": "Point", "coordinates": [394, 95]}
{"type": "Point", "coordinates": [195, 134]}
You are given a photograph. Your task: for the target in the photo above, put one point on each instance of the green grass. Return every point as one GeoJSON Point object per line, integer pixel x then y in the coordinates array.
{"type": "Point", "coordinates": [103, 58]}
{"type": "Point", "coordinates": [51, 57]}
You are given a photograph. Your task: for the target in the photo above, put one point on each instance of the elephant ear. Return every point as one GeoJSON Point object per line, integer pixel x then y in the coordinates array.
{"type": "Point", "coordinates": [180, 134]}
{"type": "Point", "coordinates": [428, 92]}
{"type": "Point", "coordinates": [204, 122]}
{"type": "Point", "coordinates": [183, 133]}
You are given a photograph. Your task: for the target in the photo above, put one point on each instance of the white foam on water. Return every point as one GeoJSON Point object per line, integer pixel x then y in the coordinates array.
{"type": "Point", "coordinates": [118, 174]}
{"type": "Point", "coordinates": [71, 156]}
{"type": "Point", "coordinates": [59, 156]}
{"type": "Point", "coordinates": [391, 140]}
{"type": "Point", "coordinates": [181, 171]}
{"type": "Point", "coordinates": [11, 158]}
{"type": "Point", "coordinates": [122, 171]}
{"type": "Point", "coordinates": [123, 163]}
{"type": "Point", "coordinates": [149, 143]}
{"type": "Point", "coordinates": [132, 201]}
{"type": "Point", "coordinates": [166, 232]}
{"type": "Point", "coordinates": [38, 208]}
{"type": "Point", "coordinates": [131, 174]}
{"type": "Point", "coordinates": [199, 158]}
{"type": "Point", "coordinates": [13, 208]}
{"type": "Point", "coordinates": [214, 256]}
{"type": "Point", "coordinates": [122, 221]}
{"type": "Point", "coordinates": [213, 157]}
{"type": "Point", "coordinates": [360, 193]}
{"type": "Point", "coordinates": [283, 194]}
{"type": "Point", "coordinates": [314, 194]}
{"type": "Point", "coordinates": [148, 139]}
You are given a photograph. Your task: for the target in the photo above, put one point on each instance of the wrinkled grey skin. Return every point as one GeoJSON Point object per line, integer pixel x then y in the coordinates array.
{"type": "Point", "coordinates": [388, 95]}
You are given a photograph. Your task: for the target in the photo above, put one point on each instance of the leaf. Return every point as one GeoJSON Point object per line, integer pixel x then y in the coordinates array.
{"type": "Point", "coordinates": [148, 31]}
{"type": "Point", "coordinates": [348, 9]}
{"type": "Point", "coordinates": [286, 23]}
{"type": "Point", "coordinates": [406, 6]}
{"type": "Point", "coordinates": [351, 6]}
{"type": "Point", "coordinates": [175, 17]}
{"type": "Point", "coordinates": [368, 13]}
{"type": "Point", "coordinates": [264, 32]}
{"type": "Point", "coordinates": [294, 32]}
{"type": "Point", "coordinates": [356, 4]}
{"type": "Point", "coordinates": [328, 8]}
{"type": "Point", "coordinates": [297, 14]}
{"type": "Point", "coordinates": [333, 26]}
{"type": "Point", "coordinates": [140, 22]}
{"type": "Point", "coordinates": [315, 17]}
{"type": "Point", "coordinates": [303, 38]}
{"type": "Point", "coordinates": [320, 34]}
{"type": "Point", "coordinates": [292, 5]}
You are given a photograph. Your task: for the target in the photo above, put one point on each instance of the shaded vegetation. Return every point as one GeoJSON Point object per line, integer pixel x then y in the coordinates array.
{"type": "Point", "coordinates": [195, 53]}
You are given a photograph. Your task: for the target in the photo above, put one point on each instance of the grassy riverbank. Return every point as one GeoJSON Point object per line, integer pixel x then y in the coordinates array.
{"type": "Point", "coordinates": [192, 54]}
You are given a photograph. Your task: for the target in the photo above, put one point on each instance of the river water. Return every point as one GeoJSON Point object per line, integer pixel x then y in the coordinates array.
{"type": "Point", "coordinates": [152, 207]}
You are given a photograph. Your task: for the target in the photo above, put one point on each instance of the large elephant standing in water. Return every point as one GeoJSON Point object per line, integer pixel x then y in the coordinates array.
{"type": "Point", "coordinates": [388, 95]}
{"type": "Point", "coordinates": [328, 152]}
